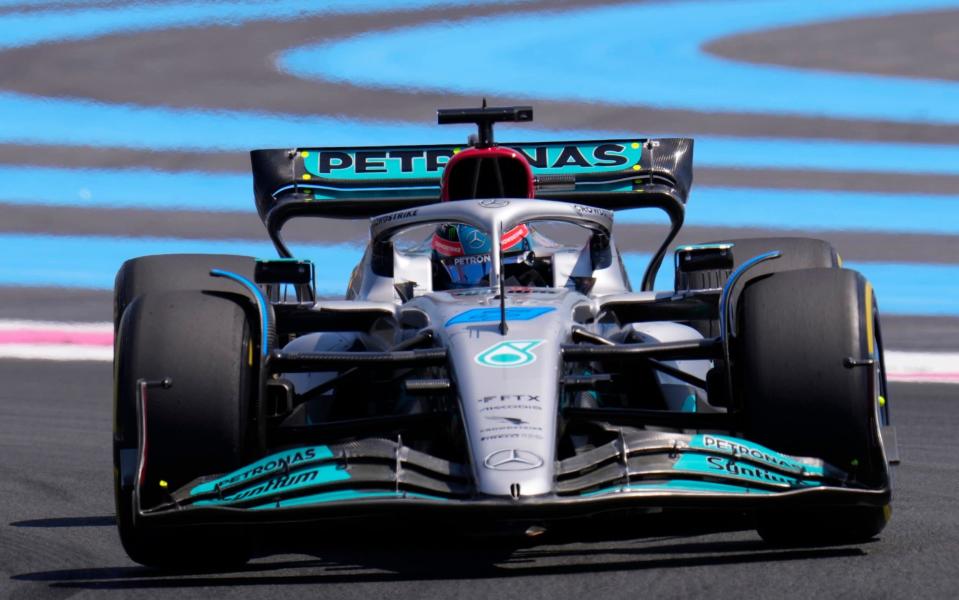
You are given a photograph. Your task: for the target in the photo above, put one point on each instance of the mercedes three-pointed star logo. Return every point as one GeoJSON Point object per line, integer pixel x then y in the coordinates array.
{"type": "Point", "coordinates": [476, 240]}
{"type": "Point", "coordinates": [512, 460]}
{"type": "Point", "coordinates": [493, 203]}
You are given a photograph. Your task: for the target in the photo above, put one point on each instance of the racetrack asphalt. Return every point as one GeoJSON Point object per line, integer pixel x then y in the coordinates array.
{"type": "Point", "coordinates": [58, 538]}
{"type": "Point", "coordinates": [57, 534]}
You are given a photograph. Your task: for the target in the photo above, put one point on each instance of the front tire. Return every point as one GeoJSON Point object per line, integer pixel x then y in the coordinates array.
{"type": "Point", "coordinates": [801, 395]}
{"type": "Point", "coordinates": [202, 342]}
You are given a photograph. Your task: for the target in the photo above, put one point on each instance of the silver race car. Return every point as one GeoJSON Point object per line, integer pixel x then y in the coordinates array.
{"type": "Point", "coordinates": [491, 364]}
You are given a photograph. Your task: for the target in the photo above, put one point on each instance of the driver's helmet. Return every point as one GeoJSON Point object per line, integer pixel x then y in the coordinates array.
{"type": "Point", "coordinates": [463, 251]}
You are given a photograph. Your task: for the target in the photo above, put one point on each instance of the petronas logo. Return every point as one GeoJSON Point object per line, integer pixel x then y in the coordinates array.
{"type": "Point", "coordinates": [508, 354]}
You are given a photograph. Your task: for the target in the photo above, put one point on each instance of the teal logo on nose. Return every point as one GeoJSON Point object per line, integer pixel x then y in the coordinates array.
{"type": "Point", "coordinates": [508, 354]}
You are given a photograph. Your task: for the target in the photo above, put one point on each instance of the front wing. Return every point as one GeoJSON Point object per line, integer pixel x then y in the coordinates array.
{"type": "Point", "coordinates": [638, 470]}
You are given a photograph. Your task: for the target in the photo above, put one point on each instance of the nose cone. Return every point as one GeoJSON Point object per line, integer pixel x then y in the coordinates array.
{"type": "Point", "coordinates": [508, 388]}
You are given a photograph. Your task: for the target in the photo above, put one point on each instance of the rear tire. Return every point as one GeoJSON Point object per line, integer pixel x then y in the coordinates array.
{"type": "Point", "coordinates": [172, 272]}
{"type": "Point", "coordinates": [796, 330]}
{"type": "Point", "coordinates": [196, 427]}
{"type": "Point", "coordinates": [797, 253]}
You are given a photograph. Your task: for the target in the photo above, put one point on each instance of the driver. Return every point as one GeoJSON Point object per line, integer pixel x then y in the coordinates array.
{"type": "Point", "coordinates": [463, 253]}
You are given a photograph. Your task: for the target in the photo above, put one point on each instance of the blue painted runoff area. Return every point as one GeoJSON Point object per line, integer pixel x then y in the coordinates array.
{"type": "Point", "coordinates": [901, 288]}
{"type": "Point", "coordinates": [824, 155]}
{"type": "Point", "coordinates": [17, 4]}
{"type": "Point", "coordinates": [75, 122]}
{"type": "Point", "coordinates": [82, 22]}
{"type": "Point", "coordinates": [92, 262]}
{"type": "Point", "coordinates": [126, 188]}
{"type": "Point", "coordinates": [708, 207]}
{"type": "Point", "coordinates": [641, 54]}
{"type": "Point", "coordinates": [812, 210]}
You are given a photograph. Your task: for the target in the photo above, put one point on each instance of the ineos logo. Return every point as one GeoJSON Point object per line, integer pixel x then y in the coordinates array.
{"type": "Point", "coordinates": [512, 460]}
{"type": "Point", "coordinates": [584, 211]}
{"type": "Point", "coordinates": [493, 203]}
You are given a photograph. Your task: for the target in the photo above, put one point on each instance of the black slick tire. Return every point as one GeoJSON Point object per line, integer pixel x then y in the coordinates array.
{"type": "Point", "coordinates": [797, 253]}
{"type": "Point", "coordinates": [198, 426]}
{"type": "Point", "coordinates": [171, 272]}
{"type": "Point", "coordinates": [800, 395]}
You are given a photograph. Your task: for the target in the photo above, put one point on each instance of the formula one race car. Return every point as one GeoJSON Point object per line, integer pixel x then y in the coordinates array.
{"type": "Point", "coordinates": [489, 374]}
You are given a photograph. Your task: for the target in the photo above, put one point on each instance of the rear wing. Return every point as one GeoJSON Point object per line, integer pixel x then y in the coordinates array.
{"type": "Point", "coordinates": [359, 183]}
{"type": "Point", "coordinates": [364, 182]}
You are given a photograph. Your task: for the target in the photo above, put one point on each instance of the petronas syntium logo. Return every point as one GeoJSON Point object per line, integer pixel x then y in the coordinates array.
{"type": "Point", "coordinates": [515, 353]}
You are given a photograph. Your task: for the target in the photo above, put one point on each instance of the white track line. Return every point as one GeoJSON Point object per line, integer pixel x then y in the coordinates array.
{"type": "Point", "coordinates": [929, 367]}
{"type": "Point", "coordinates": [56, 352]}
{"type": "Point", "coordinates": [40, 340]}
{"type": "Point", "coordinates": [24, 325]}
{"type": "Point", "coordinates": [52, 340]}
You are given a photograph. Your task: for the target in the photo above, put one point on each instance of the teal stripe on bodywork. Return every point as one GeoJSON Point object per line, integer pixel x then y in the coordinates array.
{"type": "Point", "coordinates": [283, 484]}
{"type": "Point", "coordinates": [719, 466]}
{"type": "Point", "coordinates": [709, 486]}
{"type": "Point", "coordinates": [486, 315]}
{"type": "Point", "coordinates": [261, 302]}
{"type": "Point", "coordinates": [273, 462]}
{"type": "Point", "coordinates": [733, 446]}
{"type": "Point", "coordinates": [680, 485]}
{"type": "Point", "coordinates": [341, 495]}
